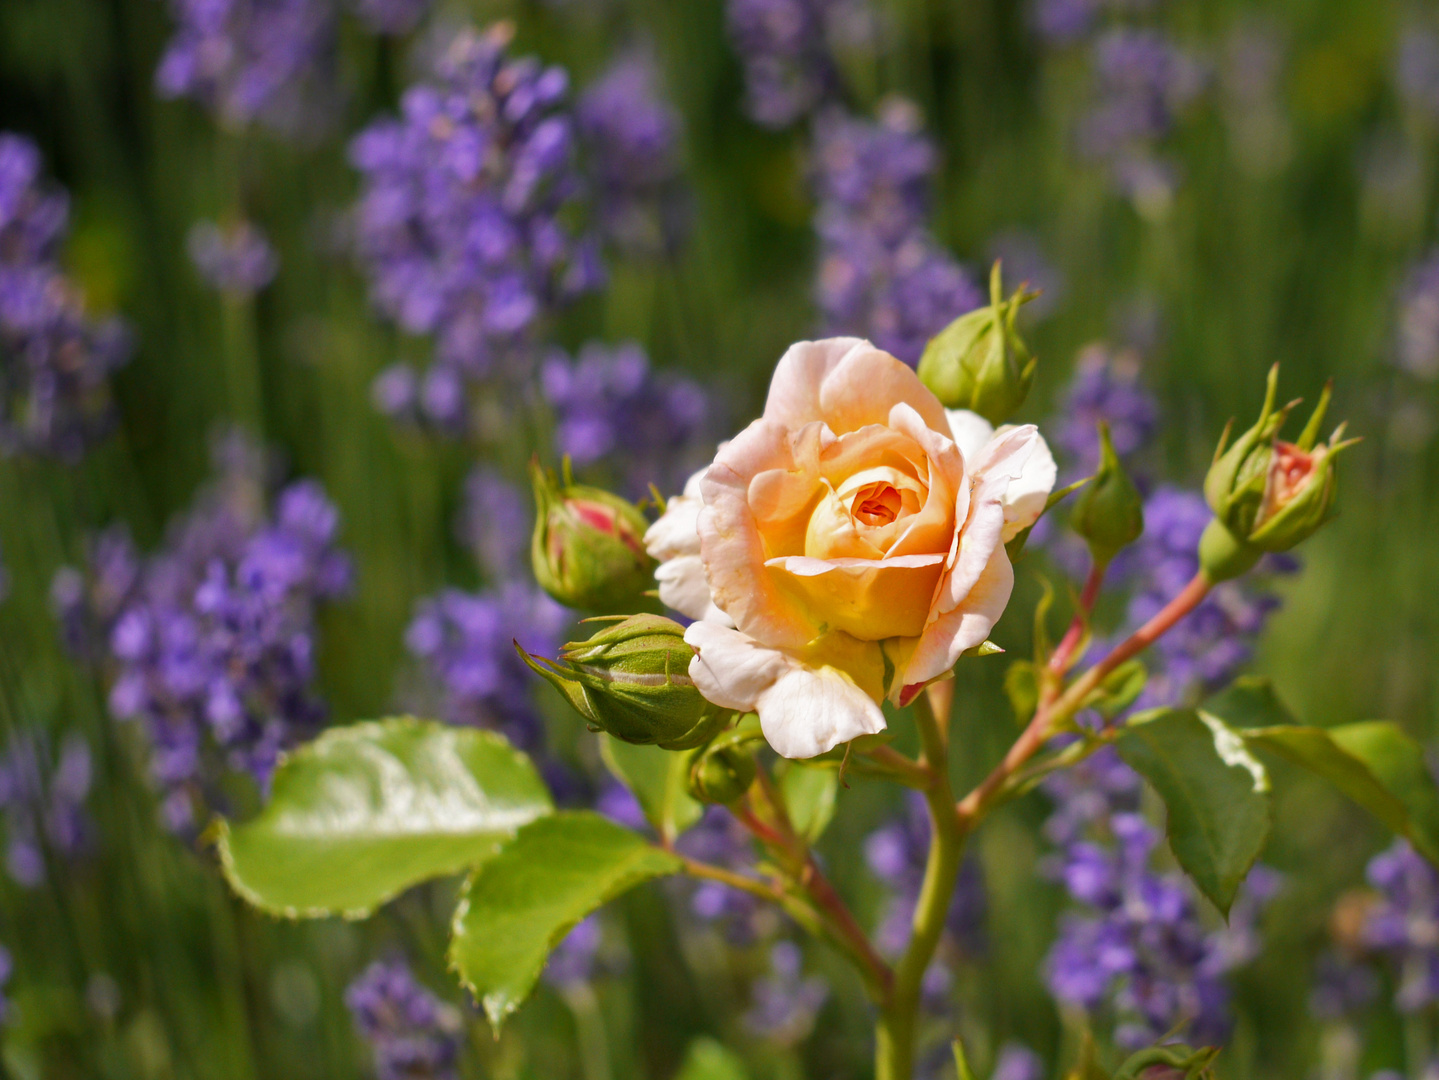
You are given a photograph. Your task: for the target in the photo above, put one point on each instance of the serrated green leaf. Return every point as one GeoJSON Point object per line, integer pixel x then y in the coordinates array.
{"type": "Point", "coordinates": [809, 792]}
{"type": "Point", "coordinates": [657, 779]}
{"type": "Point", "coordinates": [707, 1059]}
{"type": "Point", "coordinates": [366, 811]}
{"type": "Point", "coordinates": [520, 904]}
{"type": "Point", "coordinates": [1249, 702]}
{"type": "Point", "coordinates": [1215, 791]}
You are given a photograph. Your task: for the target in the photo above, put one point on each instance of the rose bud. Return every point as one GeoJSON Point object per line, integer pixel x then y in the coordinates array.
{"type": "Point", "coordinates": [1267, 494]}
{"type": "Point", "coordinates": [979, 362]}
{"type": "Point", "coordinates": [1109, 512]}
{"type": "Point", "coordinates": [588, 548]}
{"type": "Point", "coordinates": [722, 774]}
{"type": "Point", "coordinates": [631, 679]}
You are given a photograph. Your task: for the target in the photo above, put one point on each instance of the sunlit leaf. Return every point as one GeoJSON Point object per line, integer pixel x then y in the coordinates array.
{"type": "Point", "coordinates": [366, 811]}
{"type": "Point", "coordinates": [519, 905]}
{"type": "Point", "coordinates": [1215, 791]}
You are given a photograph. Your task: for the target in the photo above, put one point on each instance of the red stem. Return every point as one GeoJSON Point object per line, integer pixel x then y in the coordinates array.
{"type": "Point", "coordinates": [1060, 661]}
{"type": "Point", "coordinates": [973, 805]}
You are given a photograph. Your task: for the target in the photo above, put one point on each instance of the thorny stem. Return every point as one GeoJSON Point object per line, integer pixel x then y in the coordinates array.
{"type": "Point", "coordinates": [895, 1032]}
{"type": "Point", "coordinates": [1050, 714]}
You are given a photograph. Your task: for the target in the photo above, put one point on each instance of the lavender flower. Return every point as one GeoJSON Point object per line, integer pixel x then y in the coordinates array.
{"type": "Point", "coordinates": [1207, 649]}
{"type": "Point", "coordinates": [612, 407]}
{"type": "Point", "coordinates": [1017, 1062]}
{"type": "Point", "coordinates": [1062, 22]}
{"type": "Point", "coordinates": [1404, 924]}
{"type": "Point", "coordinates": [55, 362]}
{"type": "Point", "coordinates": [236, 259]}
{"type": "Point", "coordinates": [720, 840]}
{"type": "Point", "coordinates": [896, 852]}
{"type": "Point", "coordinates": [882, 275]}
{"type": "Point", "coordinates": [390, 16]}
{"type": "Point", "coordinates": [633, 138]}
{"type": "Point", "coordinates": [466, 641]}
{"type": "Point", "coordinates": [42, 802]}
{"type": "Point", "coordinates": [411, 1032]}
{"type": "Point", "coordinates": [213, 648]}
{"type": "Point", "coordinates": [1139, 952]}
{"type": "Point", "coordinates": [785, 1002]}
{"type": "Point", "coordinates": [1142, 83]}
{"type": "Point", "coordinates": [463, 209]}
{"type": "Point", "coordinates": [1105, 386]}
{"type": "Point", "coordinates": [247, 61]}
{"type": "Point", "coordinates": [1416, 68]}
{"type": "Point", "coordinates": [1417, 332]}
{"type": "Point", "coordinates": [494, 523]}
{"type": "Point", "coordinates": [572, 963]}
{"type": "Point", "coordinates": [618, 803]}
{"type": "Point", "coordinates": [788, 48]}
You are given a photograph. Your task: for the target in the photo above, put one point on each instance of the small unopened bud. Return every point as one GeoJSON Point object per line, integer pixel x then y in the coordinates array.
{"type": "Point", "coordinates": [588, 548]}
{"type": "Point", "coordinates": [631, 679]}
{"type": "Point", "coordinates": [979, 362]}
{"type": "Point", "coordinates": [1269, 495]}
{"type": "Point", "coordinates": [722, 775]}
{"type": "Point", "coordinates": [1109, 512]}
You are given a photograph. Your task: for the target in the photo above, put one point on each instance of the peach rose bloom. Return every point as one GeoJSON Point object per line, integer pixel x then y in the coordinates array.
{"type": "Point", "coordinates": [846, 547]}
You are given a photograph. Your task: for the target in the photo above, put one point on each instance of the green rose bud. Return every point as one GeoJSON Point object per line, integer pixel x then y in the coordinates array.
{"type": "Point", "coordinates": [1269, 495]}
{"type": "Point", "coordinates": [588, 548]}
{"type": "Point", "coordinates": [632, 680]}
{"type": "Point", "coordinates": [722, 775]}
{"type": "Point", "coordinates": [979, 362]}
{"type": "Point", "coordinates": [1109, 512]}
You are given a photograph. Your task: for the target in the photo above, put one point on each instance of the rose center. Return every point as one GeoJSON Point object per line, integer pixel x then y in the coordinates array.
{"type": "Point", "coordinates": [876, 505]}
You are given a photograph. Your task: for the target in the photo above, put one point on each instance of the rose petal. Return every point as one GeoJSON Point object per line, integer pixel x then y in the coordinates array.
{"type": "Point", "coordinates": [1028, 493]}
{"type": "Point", "coordinates": [971, 432]}
{"type": "Point", "coordinates": [866, 385]}
{"type": "Point", "coordinates": [932, 529]}
{"type": "Point", "coordinates": [963, 628]}
{"type": "Point", "coordinates": [683, 587]}
{"type": "Point", "coordinates": [676, 532]}
{"type": "Point", "coordinates": [810, 711]}
{"type": "Point", "coordinates": [730, 669]}
{"type": "Point", "coordinates": [731, 544]}
{"type": "Point", "coordinates": [868, 599]}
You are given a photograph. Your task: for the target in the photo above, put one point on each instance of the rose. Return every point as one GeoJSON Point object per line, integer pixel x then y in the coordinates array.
{"type": "Point", "coordinates": [846, 547]}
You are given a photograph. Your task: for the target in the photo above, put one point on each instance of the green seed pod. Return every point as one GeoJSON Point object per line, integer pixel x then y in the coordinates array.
{"type": "Point", "coordinates": [588, 548]}
{"type": "Point", "coordinates": [979, 362]}
{"type": "Point", "coordinates": [631, 679]}
{"type": "Point", "coordinates": [1109, 512]}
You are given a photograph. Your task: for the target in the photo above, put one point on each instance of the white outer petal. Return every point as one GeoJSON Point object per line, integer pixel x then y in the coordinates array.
{"type": "Point", "coordinates": [971, 432]}
{"type": "Point", "coordinates": [1024, 500]}
{"type": "Point", "coordinates": [683, 587]}
{"type": "Point", "coordinates": [803, 711]}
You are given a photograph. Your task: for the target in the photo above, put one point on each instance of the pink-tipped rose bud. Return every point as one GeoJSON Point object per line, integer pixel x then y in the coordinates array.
{"type": "Point", "coordinates": [588, 548]}
{"type": "Point", "coordinates": [1269, 495]}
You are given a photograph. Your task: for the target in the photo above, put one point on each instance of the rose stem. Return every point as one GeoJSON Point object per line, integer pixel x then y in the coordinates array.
{"type": "Point", "coordinates": [1064, 655]}
{"type": "Point", "coordinates": [895, 1031]}
{"type": "Point", "coordinates": [892, 763]}
{"type": "Point", "coordinates": [842, 928]}
{"type": "Point", "coordinates": [974, 805]}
